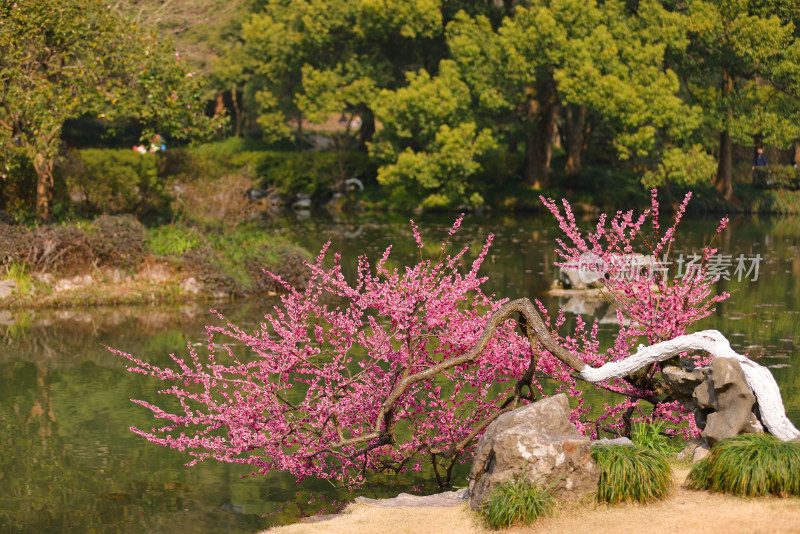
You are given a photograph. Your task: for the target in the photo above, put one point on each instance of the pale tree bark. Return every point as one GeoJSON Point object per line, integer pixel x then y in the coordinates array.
{"type": "Point", "coordinates": [759, 378]}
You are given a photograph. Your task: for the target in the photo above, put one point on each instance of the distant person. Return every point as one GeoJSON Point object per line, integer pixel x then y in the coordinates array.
{"type": "Point", "coordinates": [759, 166]}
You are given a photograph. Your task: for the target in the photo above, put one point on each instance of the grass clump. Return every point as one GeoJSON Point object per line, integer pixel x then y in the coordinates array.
{"type": "Point", "coordinates": [631, 473]}
{"type": "Point", "coordinates": [750, 465]}
{"type": "Point", "coordinates": [517, 501]}
{"type": "Point", "coordinates": [652, 436]}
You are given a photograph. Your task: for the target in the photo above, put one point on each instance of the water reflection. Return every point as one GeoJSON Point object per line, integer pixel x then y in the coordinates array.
{"type": "Point", "coordinates": [69, 462]}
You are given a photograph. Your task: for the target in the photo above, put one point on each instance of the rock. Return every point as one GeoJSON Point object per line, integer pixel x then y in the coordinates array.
{"type": "Point", "coordinates": [683, 382]}
{"type": "Point", "coordinates": [726, 393]}
{"type": "Point", "coordinates": [8, 288]}
{"type": "Point", "coordinates": [699, 453]}
{"type": "Point", "coordinates": [688, 451]}
{"type": "Point", "coordinates": [616, 441]}
{"type": "Point", "coordinates": [70, 284]}
{"type": "Point", "coordinates": [190, 285]}
{"type": "Point", "coordinates": [539, 441]}
{"type": "Point", "coordinates": [448, 498]}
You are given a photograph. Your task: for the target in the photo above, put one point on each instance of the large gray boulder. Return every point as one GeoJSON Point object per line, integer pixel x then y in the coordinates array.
{"type": "Point", "coordinates": [727, 397]}
{"type": "Point", "coordinates": [719, 396]}
{"type": "Point", "coordinates": [539, 441]}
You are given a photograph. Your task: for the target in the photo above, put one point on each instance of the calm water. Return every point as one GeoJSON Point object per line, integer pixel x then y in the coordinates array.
{"type": "Point", "coordinates": [68, 462]}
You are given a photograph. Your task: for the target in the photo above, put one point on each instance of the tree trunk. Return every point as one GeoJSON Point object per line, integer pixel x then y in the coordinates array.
{"type": "Point", "coordinates": [367, 129]}
{"type": "Point", "coordinates": [44, 187]}
{"type": "Point", "coordinates": [219, 104]}
{"type": "Point", "coordinates": [796, 154]}
{"type": "Point", "coordinates": [725, 168]}
{"type": "Point", "coordinates": [539, 144]}
{"type": "Point", "coordinates": [237, 109]}
{"type": "Point", "coordinates": [576, 118]}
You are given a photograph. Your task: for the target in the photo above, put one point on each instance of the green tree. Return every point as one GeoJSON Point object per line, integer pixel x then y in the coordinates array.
{"type": "Point", "coordinates": [430, 141]}
{"type": "Point", "coordinates": [314, 58]}
{"type": "Point", "coordinates": [69, 58]}
{"type": "Point", "coordinates": [740, 67]}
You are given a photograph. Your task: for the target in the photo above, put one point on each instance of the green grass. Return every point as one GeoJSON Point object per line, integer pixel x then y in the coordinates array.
{"type": "Point", "coordinates": [172, 240]}
{"type": "Point", "coordinates": [750, 465]}
{"type": "Point", "coordinates": [23, 279]}
{"type": "Point", "coordinates": [631, 473]}
{"type": "Point", "coordinates": [518, 501]}
{"type": "Point", "coordinates": [652, 436]}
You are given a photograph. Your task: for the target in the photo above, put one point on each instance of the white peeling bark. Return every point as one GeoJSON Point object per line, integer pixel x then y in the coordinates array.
{"type": "Point", "coordinates": [759, 378]}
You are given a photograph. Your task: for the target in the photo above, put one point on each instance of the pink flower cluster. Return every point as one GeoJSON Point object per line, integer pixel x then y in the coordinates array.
{"type": "Point", "coordinates": [307, 391]}
{"type": "Point", "coordinates": [650, 309]}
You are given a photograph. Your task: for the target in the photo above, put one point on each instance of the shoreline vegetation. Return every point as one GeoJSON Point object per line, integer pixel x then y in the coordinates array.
{"type": "Point", "coordinates": [115, 260]}
{"type": "Point", "coordinates": [200, 239]}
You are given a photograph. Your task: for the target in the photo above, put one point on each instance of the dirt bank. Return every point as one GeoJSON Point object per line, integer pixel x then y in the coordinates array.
{"type": "Point", "coordinates": [684, 511]}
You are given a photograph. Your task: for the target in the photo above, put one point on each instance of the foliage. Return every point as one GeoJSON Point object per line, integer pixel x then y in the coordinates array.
{"type": "Point", "coordinates": [72, 58]}
{"type": "Point", "coordinates": [749, 465]}
{"type": "Point", "coordinates": [381, 372]}
{"type": "Point", "coordinates": [516, 502]}
{"type": "Point", "coordinates": [114, 181]}
{"type": "Point", "coordinates": [653, 436]}
{"type": "Point", "coordinates": [172, 240]}
{"type": "Point", "coordinates": [683, 168]}
{"type": "Point", "coordinates": [232, 260]}
{"type": "Point", "coordinates": [18, 273]}
{"type": "Point", "coordinates": [785, 177]}
{"type": "Point", "coordinates": [631, 473]}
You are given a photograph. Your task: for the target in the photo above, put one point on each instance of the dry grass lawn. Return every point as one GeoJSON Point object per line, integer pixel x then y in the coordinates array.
{"type": "Point", "coordinates": [684, 511]}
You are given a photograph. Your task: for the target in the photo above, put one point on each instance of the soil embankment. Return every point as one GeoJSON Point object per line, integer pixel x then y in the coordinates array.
{"type": "Point", "coordinates": [685, 511]}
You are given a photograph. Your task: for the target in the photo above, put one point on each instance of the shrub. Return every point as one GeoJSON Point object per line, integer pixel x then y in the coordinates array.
{"type": "Point", "coordinates": [749, 465]}
{"type": "Point", "coordinates": [631, 473]}
{"type": "Point", "coordinates": [55, 248]}
{"type": "Point", "coordinates": [216, 201]}
{"type": "Point", "coordinates": [117, 241]}
{"type": "Point", "coordinates": [114, 181]}
{"type": "Point", "coordinates": [516, 501]}
{"type": "Point", "coordinates": [314, 173]}
{"type": "Point", "coordinates": [782, 177]}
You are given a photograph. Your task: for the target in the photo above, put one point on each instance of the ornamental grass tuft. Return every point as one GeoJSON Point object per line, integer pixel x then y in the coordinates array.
{"type": "Point", "coordinates": [631, 473]}
{"type": "Point", "coordinates": [750, 465]}
{"type": "Point", "coordinates": [653, 436]}
{"type": "Point", "coordinates": [517, 501]}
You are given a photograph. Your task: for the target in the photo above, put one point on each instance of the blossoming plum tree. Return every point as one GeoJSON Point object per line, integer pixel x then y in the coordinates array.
{"type": "Point", "coordinates": [398, 366]}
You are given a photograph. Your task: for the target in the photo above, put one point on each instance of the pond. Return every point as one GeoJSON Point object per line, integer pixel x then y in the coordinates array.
{"type": "Point", "coordinates": [70, 464]}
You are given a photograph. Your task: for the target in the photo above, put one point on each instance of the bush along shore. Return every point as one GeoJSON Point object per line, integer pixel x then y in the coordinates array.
{"type": "Point", "coordinates": [116, 260]}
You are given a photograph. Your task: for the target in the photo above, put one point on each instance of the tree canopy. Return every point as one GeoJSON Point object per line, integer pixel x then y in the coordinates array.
{"type": "Point", "coordinates": [67, 59]}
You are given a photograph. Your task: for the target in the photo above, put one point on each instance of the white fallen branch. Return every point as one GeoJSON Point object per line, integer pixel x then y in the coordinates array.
{"type": "Point", "coordinates": [759, 378]}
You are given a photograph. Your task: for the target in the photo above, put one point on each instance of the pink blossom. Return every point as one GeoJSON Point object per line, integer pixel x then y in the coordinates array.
{"type": "Point", "coordinates": [297, 393]}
